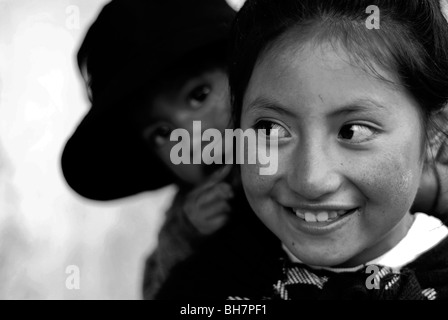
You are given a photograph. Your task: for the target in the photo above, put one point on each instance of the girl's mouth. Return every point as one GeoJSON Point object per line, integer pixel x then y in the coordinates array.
{"type": "Point", "coordinates": [321, 216]}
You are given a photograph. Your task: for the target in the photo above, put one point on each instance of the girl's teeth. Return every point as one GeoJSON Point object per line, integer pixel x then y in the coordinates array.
{"type": "Point", "coordinates": [309, 217]}
{"type": "Point", "coordinates": [322, 216]}
{"type": "Point", "coordinates": [300, 215]}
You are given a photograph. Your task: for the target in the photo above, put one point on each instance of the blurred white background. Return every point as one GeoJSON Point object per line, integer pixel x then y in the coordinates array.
{"type": "Point", "coordinates": [44, 226]}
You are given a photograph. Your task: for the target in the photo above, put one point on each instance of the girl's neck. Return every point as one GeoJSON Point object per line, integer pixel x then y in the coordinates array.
{"type": "Point", "coordinates": [384, 244]}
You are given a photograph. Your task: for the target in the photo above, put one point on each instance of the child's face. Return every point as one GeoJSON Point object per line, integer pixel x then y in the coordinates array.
{"type": "Point", "coordinates": [350, 150]}
{"type": "Point", "coordinates": [203, 98]}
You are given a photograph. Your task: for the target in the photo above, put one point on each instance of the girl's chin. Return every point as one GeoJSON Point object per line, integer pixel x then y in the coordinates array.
{"type": "Point", "coordinates": [323, 260]}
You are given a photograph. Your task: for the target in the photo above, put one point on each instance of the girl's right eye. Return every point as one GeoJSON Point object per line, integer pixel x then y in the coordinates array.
{"type": "Point", "coordinates": [273, 129]}
{"type": "Point", "coordinates": [161, 136]}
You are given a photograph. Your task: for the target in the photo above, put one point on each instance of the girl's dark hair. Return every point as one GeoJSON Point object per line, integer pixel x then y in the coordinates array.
{"type": "Point", "coordinates": [412, 41]}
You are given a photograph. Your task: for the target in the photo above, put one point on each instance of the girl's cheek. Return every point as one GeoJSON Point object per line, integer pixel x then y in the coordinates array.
{"type": "Point", "coordinates": [390, 180]}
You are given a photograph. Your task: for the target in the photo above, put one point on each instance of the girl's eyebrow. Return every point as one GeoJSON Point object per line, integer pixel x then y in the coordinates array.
{"type": "Point", "coordinates": [359, 105]}
{"type": "Point", "coordinates": [266, 104]}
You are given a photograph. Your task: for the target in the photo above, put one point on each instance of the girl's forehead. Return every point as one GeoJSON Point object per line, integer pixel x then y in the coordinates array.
{"type": "Point", "coordinates": [300, 64]}
{"type": "Point", "coordinates": [304, 64]}
{"type": "Point", "coordinates": [308, 78]}
{"type": "Point", "coordinates": [296, 55]}
{"type": "Point", "coordinates": [364, 51]}
{"type": "Point", "coordinates": [292, 50]}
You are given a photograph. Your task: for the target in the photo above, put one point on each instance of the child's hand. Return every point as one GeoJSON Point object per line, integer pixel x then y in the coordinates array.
{"type": "Point", "coordinates": [207, 207]}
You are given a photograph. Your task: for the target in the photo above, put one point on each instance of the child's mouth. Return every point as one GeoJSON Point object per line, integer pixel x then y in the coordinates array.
{"type": "Point", "coordinates": [321, 216]}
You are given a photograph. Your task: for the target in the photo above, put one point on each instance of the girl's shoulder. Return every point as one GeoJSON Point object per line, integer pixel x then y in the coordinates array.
{"type": "Point", "coordinates": [431, 270]}
{"type": "Point", "coordinates": [435, 258]}
{"type": "Point", "coordinates": [429, 233]}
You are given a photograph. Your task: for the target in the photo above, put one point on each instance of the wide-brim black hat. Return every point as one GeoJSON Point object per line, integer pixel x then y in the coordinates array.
{"type": "Point", "coordinates": [125, 51]}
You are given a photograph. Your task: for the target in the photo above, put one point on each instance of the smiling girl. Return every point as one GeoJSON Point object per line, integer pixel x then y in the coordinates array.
{"type": "Point", "coordinates": [353, 110]}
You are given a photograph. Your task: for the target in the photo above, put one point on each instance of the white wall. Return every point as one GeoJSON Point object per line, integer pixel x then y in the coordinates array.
{"type": "Point", "coordinates": [44, 227]}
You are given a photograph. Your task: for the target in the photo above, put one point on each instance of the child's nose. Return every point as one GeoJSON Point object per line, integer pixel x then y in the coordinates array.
{"type": "Point", "coordinates": [315, 172]}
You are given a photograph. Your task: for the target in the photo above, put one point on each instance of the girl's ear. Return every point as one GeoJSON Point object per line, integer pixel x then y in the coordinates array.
{"type": "Point", "coordinates": [441, 205]}
{"type": "Point", "coordinates": [436, 146]}
{"type": "Point", "coordinates": [432, 196]}
{"type": "Point", "coordinates": [434, 181]}
{"type": "Point", "coordinates": [426, 197]}
{"type": "Point", "coordinates": [442, 127]}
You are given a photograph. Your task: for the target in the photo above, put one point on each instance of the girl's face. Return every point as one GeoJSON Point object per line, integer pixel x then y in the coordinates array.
{"type": "Point", "coordinates": [202, 98]}
{"type": "Point", "coordinates": [349, 150]}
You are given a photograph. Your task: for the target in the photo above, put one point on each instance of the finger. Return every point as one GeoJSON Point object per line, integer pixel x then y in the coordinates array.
{"type": "Point", "coordinates": [218, 192]}
{"type": "Point", "coordinates": [212, 224]}
{"type": "Point", "coordinates": [220, 174]}
{"type": "Point", "coordinates": [209, 212]}
{"type": "Point", "coordinates": [222, 209]}
{"type": "Point", "coordinates": [202, 197]}
{"type": "Point", "coordinates": [223, 190]}
{"type": "Point", "coordinates": [214, 179]}
{"type": "Point", "coordinates": [218, 222]}
{"type": "Point", "coordinates": [197, 202]}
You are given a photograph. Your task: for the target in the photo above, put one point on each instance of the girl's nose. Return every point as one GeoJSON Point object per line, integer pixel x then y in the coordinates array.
{"type": "Point", "coordinates": [315, 172]}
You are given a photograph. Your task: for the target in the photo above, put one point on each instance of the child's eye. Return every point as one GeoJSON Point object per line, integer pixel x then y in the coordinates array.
{"type": "Point", "coordinates": [161, 136]}
{"type": "Point", "coordinates": [198, 95]}
{"type": "Point", "coordinates": [272, 129]}
{"type": "Point", "coordinates": [356, 133]}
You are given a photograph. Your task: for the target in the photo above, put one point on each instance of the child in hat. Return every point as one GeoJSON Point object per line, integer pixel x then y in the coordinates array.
{"type": "Point", "coordinates": [151, 67]}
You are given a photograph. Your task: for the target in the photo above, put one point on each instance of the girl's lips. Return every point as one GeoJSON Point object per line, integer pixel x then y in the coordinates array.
{"type": "Point", "coordinates": [320, 222]}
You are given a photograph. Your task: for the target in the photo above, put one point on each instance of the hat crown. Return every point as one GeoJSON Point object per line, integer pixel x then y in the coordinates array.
{"type": "Point", "coordinates": [124, 27]}
{"type": "Point", "coordinates": [156, 16]}
{"type": "Point", "coordinates": [127, 48]}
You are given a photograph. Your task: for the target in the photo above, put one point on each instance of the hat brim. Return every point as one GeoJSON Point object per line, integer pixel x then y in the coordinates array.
{"type": "Point", "coordinates": [105, 160]}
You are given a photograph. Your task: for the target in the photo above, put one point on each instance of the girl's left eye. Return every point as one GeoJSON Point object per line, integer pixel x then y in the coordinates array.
{"type": "Point", "coordinates": [198, 95]}
{"type": "Point", "coordinates": [272, 129]}
{"type": "Point", "coordinates": [356, 133]}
